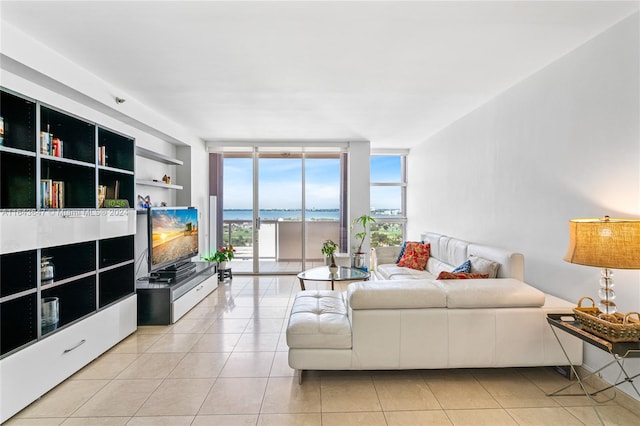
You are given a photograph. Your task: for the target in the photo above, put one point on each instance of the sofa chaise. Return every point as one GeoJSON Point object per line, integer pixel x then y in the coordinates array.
{"type": "Point", "coordinates": [407, 319]}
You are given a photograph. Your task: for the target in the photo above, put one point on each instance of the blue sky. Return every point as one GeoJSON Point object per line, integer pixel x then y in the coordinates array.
{"type": "Point", "coordinates": [280, 183]}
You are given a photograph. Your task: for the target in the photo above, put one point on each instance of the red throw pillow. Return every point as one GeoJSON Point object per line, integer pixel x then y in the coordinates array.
{"type": "Point", "coordinates": [415, 255]}
{"type": "Point", "coordinates": [444, 275]}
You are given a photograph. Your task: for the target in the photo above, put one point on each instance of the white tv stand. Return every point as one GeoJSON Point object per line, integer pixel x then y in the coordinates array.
{"type": "Point", "coordinates": [162, 303]}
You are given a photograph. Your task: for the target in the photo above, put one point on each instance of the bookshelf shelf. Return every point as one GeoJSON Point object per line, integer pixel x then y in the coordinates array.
{"type": "Point", "coordinates": [146, 153]}
{"type": "Point", "coordinates": [67, 161]}
{"type": "Point", "coordinates": [115, 170]}
{"type": "Point", "coordinates": [17, 151]}
{"type": "Point", "coordinates": [158, 184]}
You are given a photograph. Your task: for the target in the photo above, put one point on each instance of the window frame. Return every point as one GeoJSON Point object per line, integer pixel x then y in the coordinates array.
{"type": "Point", "coordinates": [402, 184]}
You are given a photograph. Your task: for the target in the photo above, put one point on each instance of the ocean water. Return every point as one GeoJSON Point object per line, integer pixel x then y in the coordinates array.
{"type": "Point", "coordinates": [237, 214]}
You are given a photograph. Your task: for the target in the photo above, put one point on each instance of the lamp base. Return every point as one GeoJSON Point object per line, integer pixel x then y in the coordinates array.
{"type": "Point", "coordinates": [606, 293]}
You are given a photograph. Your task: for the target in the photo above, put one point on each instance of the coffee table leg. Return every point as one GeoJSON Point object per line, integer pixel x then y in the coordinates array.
{"type": "Point", "coordinates": [331, 284]}
{"type": "Point", "coordinates": [301, 283]}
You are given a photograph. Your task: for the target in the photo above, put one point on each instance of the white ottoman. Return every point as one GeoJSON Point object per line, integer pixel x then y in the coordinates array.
{"type": "Point", "coordinates": [319, 320]}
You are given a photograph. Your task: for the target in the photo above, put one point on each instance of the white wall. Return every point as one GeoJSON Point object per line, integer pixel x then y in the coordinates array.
{"type": "Point", "coordinates": [32, 69]}
{"type": "Point", "coordinates": [564, 143]}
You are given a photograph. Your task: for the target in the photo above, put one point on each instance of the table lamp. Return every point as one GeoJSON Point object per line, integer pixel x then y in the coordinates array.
{"type": "Point", "coordinates": [605, 243]}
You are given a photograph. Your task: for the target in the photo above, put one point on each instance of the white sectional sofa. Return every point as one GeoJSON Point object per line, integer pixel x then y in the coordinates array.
{"type": "Point", "coordinates": [446, 254]}
{"type": "Point", "coordinates": [407, 319]}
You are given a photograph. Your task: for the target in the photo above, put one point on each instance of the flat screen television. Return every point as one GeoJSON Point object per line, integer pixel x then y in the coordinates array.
{"type": "Point", "coordinates": [173, 237]}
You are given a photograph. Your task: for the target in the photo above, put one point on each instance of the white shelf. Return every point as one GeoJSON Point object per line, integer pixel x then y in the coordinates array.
{"type": "Point", "coordinates": [143, 152]}
{"type": "Point", "coordinates": [157, 184]}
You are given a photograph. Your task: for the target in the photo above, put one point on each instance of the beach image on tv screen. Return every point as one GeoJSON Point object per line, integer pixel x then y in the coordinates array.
{"type": "Point", "coordinates": [174, 234]}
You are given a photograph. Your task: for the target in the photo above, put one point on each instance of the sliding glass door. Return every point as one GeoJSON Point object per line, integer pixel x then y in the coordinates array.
{"type": "Point", "coordinates": [279, 189]}
{"type": "Point", "coordinates": [279, 205]}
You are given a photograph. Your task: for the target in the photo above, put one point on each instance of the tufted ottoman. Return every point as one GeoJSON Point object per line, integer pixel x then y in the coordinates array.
{"type": "Point", "coordinates": [319, 320]}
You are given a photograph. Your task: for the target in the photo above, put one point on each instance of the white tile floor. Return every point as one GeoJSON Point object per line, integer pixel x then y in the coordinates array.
{"type": "Point", "coordinates": [225, 363]}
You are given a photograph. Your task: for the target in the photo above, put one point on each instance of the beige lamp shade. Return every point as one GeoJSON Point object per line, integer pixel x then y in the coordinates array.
{"type": "Point", "coordinates": [605, 243]}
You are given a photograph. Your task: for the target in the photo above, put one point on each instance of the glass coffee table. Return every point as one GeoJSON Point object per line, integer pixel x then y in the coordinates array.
{"type": "Point", "coordinates": [322, 273]}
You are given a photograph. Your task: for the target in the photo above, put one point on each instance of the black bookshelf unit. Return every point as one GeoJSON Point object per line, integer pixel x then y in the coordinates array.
{"type": "Point", "coordinates": [45, 150]}
{"type": "Point", "coordinates": [67, 279]}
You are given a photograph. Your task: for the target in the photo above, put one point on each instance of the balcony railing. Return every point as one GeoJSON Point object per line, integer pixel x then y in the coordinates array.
{"type": "Point", "coordinates": [280, 240]}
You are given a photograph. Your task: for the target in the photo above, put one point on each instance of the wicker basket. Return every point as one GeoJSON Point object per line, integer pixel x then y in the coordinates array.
{"type": "Point", "coordinates": [615, 327]}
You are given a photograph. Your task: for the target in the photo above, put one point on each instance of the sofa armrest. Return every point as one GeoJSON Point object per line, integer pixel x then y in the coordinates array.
{"type": "Point", "coordinates": [384, 255]}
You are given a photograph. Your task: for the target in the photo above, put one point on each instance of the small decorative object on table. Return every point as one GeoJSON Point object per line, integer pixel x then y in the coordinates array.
{"type": "Point", "coordinates": [166, 179]}
{"type": "Point", "coordinates": [329, 248]}
{"type": "Point", "coordinates": [614, 327]}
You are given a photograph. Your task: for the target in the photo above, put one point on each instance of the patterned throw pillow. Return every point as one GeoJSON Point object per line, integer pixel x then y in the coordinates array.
{"type": "Point", "coordinates": [415, 256]}
{"type": "Point", "coordinates": [465, 267]}
{"type": "Point", "coordinates": [444, 275]}
{"type": "Point", "coordinates": [402, 249]}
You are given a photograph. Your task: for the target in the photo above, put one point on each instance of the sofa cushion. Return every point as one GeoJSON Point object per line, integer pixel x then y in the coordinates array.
{"type": "Point", "coordinates": [415, 256]}
{"type": "Point", "coordinates": [450, 250]}
{"type": "Point", "coordinates": [435, 266]}
{"type": "Point", "coordinates": [480, 265]}
{"type": "Point", "coordinates": [319, 319]}
{"type": "Point", "coordinates": [491, 293]}
{"type": "Point", "coordinates": [406, 294]}
{"type": "Point", "coordinates": [384, 255]}
{"type": "Point", "coordinates": [391, 271]}
{"type": "Point", "coordinates": [444, 275]}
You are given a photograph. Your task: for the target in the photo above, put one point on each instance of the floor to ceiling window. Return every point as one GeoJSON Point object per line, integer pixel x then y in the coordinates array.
{"type": "Point", "coordinates": [279, 205]}
{"type": "Point", "coordinates": [388, 199]}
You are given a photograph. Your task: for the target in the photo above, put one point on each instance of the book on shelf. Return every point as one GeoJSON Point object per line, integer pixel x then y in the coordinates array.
{"type": "Point", "coordinates": [56, 147]}
{"type": "Point", "coordinates": [51, 194]}
{"type": "Point", "coordinates": [113, 192]}
{"type": "Point", "coordinates": [50, 145]}
{"type": "Point", "coordinates": [59, 186]}
{"type": "Point", "coordinates": [45, 142]}
{"type": "Point", "coordinates": [45, 193]}
{"type": "Point", "coordinates": [102, 156]}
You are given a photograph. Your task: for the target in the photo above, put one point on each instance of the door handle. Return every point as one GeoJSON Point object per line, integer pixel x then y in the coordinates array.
{"type": "Point", "coordinates": [257, 223]}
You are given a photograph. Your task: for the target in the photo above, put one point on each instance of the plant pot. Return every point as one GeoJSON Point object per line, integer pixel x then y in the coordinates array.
{"type": "Point", "coordinates": [223, 265]}
{"type": "Point", "coordinates": [358, 260]}
{"type": "Point", "coordinates": [333, 268]}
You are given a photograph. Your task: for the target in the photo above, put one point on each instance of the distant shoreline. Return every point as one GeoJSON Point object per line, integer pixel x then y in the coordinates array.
{"type": "Point", "coordinates": [292, 214]}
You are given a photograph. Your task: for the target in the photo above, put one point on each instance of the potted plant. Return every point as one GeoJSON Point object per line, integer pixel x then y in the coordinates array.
{"type": "Point", "coordinates": [358, 255]}
{"type": "Point", "coordinates": [221, 256]}
{"type": "Point", "coordinates": [329, 247]}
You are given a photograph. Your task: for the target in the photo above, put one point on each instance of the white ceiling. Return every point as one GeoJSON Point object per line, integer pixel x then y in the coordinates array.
{"type": "Point", "coordinates": [393, 73]}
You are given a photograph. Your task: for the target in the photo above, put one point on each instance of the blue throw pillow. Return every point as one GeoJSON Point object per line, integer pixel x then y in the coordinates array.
{"type": "Point", "coordinates": [404, 246]}
{"type": "Point", "coordinates": [465, 267]}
